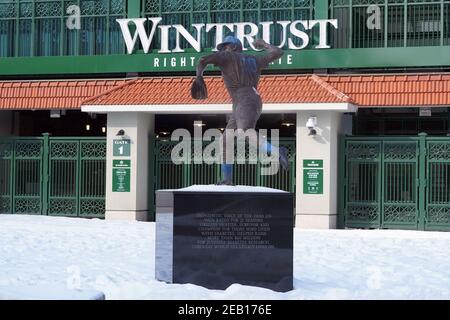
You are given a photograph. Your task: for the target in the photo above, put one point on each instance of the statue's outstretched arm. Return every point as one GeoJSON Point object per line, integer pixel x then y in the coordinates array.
{"type": "Point", "coordinates": [205, 61]}
{"type": "Point", "coordinates": [272, 52]}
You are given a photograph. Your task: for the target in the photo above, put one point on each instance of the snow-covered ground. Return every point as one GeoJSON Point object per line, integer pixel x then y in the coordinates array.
{"type": "Point", "coordinates": [117, 259]}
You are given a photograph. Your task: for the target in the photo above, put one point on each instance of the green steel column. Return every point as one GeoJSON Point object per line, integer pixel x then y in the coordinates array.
{"type": "Point", "coordinates": [191, 13]}
{"type": "Point", "coordinates": [405, 24]}
{"type": "Point", "coordinates": [62, 28]}
{"type": "Point", "coordinates": [134, 9]}
{"type": "Point", "coordinates": [342, 183]}
{"type": "Point", "coordinates": [45, 173]}
{"type": "Point", "coordinates": [78, 180]}
{"type": "Point", "coordinates": [350, 24]}
{"type": "Point", "coordinates": [11, 174]}
{"type": "Point", "coordinates": [320, 12]}
{"type": "Point", "coordinates": [381, 178]}
{"type": "Point", "coordinates": [16, 36]}
{"type": "Point", "coordinates": [385, 23]}
{"type": "Point", "coordinates": [442, 17]}
{"type": "Point", "coordinates": [320, 9]}
{"type": "Point", "coordinates": [422, 180]}
{"type": "Point", "coordinates": [259, 10]}
{"type": "Point", "coordinates": [293, 11]}
{"type": "Point", "coordinates": [108, 27]}
{"type": "Point", "coordinates": [34, 37]}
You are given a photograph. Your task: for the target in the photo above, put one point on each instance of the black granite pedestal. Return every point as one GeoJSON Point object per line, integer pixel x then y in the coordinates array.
{"type": "Point", "coordinates": [215, 236]}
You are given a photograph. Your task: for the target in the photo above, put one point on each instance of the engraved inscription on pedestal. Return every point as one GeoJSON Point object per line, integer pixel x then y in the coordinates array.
{"type": "Point", "coordinates": [226, 238]}
{"type": "Point", "coordinates": [233, 231]}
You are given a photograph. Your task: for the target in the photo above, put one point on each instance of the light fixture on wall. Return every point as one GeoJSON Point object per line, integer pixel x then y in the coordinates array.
{"type": "Point", "coordinates": [55, 114]}
{"type": "Point", "coordinates": [88, 127]}
{"type": "Point", "coordinates": [311, 124]}
{"type": "Point", "coordinates": [104, 129]}
{"type": "Point", "coordinates": [199, 123]}
{"type": "Point", "coordinates": [121, 133]}
{"type": "Point", "coordinates": [285, 122]}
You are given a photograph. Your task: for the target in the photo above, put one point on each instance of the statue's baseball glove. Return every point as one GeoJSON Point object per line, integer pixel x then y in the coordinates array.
{"type": "Point", "coordinates": [198, 89]}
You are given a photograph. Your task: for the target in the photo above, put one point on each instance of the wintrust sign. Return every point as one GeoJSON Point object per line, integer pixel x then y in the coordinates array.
{"type": "Point", "coordinates": [247, 32]}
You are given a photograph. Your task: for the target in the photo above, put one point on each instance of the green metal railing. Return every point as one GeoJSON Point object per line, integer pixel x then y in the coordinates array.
{"type": "Point", "coordinates": [187, 12]}
{"type": "Point", "coordinates": [53, 176]}
{"type": "Point", "coordinates": [38, 28]}
{"type": "Point", "coordinates": [394, 124]}
{"type": "Point", "coordinates": [396, 182]}
{"type": "Point", "coordinates": [171, 176]}
{"type": "Point", "coordinates": [32, 33]}
{"type": "Point", "coordinates": [438, 183]}
{"type": "Point", "coordinates": [403, 23]}
{"type": "Point", "coordinates": [21, 193]}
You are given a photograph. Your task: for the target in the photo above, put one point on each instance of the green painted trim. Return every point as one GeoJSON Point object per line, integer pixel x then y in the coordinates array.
{"type": "Point", "coordinates": [304, 59]}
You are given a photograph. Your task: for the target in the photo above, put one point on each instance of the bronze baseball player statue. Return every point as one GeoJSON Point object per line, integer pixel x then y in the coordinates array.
{"type": "Point", "coordinates": [241, 75]}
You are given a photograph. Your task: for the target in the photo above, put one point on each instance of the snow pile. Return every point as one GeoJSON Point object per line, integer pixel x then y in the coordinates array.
{"type": "Point", "coordinates": [53, 292]}
{"type": "Point", "coordinates": [117, 258]}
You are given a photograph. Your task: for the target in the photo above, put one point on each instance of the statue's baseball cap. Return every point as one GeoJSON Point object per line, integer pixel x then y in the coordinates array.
{"type": "Point", "coordinates": [230, 39]}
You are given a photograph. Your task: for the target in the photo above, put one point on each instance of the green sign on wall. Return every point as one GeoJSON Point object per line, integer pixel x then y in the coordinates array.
{"type": "Point", "coordinates": [312, 176]}
{"type": "Point", "coordinates": [121, 175]}
{"type": "Point", "coordinates": [121, 148]}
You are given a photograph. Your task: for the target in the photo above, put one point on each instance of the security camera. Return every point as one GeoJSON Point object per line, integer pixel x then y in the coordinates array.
{"type": "Point", "coordinates": [311, 125]}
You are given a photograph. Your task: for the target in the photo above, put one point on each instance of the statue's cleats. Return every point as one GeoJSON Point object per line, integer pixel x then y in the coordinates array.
{"type": "Point", "coordinates": [225, 183]}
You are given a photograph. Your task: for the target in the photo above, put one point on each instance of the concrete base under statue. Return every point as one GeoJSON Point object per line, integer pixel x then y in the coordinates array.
{"type": "Point", "coordinates": [214, 236]}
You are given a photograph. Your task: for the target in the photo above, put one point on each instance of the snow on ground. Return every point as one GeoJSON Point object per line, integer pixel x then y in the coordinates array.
{"type": "Point", "coordinates": [225, 188]}
{"type": "Point", "coordinates": [117, 259]}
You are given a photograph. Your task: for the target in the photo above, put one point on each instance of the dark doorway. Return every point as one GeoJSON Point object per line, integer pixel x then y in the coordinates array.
{"type": "Point", "coordinates": [63, 124]}
{"type": "Point", "coordinates": [402, 121]}
{"type": "Point", "coordinates": [166, 124]}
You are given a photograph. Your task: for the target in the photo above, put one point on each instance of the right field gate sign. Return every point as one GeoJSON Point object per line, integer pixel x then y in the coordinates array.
{"type": "Point", "coordinates": [313, 176]}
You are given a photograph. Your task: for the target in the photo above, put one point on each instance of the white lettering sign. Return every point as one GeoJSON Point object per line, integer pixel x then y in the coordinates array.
{"type": "Point", "coordinates": [295, 33]}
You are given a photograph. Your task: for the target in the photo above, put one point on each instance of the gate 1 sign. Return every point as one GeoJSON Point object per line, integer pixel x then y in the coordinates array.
{"type": "Point", "coordinates": [121, 148]}
{"type": "Point", "coordinates": [121, 175]}
{"type": "Point", "coordinates": [312, 176]}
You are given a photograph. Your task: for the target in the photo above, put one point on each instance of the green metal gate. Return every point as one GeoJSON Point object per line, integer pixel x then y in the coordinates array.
{"type": "Point", "coordinates": [171, 176]}
{"type": "Point", "coordinates": [21, 169]}
{"type": "Point", "coordinates": [395, 182]}
{"type": "Point", "coordinates": [53, 176]}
